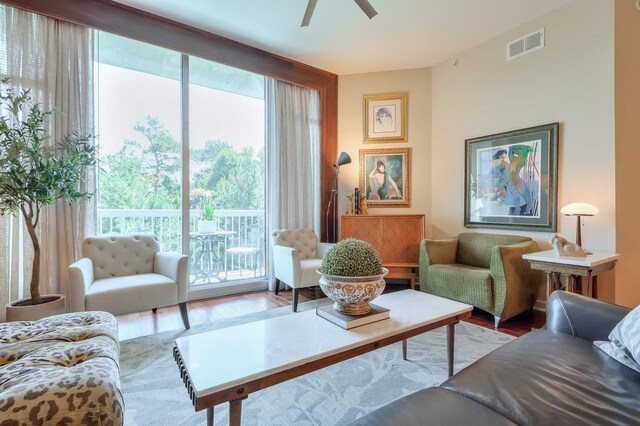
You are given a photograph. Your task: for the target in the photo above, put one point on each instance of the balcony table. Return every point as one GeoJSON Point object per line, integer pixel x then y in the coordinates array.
{"type": "Point", "coordinates": [209, 255]}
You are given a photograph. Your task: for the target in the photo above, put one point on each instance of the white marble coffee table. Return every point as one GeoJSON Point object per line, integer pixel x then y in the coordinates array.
{"type": "Point", "coordinates": [227, 365]}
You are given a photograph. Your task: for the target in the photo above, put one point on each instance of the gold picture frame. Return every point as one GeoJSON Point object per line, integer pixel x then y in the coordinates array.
{"type": "Point", "coordinates": [385, 118]}
{"type": "Point", "coordinates": [385, 177]}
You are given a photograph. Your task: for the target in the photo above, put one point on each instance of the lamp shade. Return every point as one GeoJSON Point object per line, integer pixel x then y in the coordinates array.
{"type": "Point", "coordinates": [343, 159]}
{"type": "Point", "coordinates": [579, 209]}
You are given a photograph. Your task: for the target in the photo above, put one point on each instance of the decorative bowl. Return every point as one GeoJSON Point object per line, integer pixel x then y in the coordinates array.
{"type": "Point", "coordinates": [351, 295]}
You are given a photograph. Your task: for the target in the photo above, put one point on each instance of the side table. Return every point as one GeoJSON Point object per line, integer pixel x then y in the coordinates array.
{"type": "Point", "coordinates": [565, 270]}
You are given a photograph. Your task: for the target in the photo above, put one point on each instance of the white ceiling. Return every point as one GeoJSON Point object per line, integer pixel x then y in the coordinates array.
{"type": "Point", "coordinates": [341, 39]}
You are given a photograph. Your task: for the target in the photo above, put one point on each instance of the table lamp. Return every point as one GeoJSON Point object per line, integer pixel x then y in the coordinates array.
{"type": "Point", "coordinates": [579, 210]}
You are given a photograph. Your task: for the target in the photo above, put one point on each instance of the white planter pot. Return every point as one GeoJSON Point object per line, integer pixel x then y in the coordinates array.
{"type": "Point", "coordinates": [23, 310]}
{"type": "Point", "coordinates": [208, 225]}
{"type": "Point", "coordinates": [351, 295]}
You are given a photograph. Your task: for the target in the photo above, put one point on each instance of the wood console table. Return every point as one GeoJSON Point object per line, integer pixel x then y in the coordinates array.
{"type": "Point", "coordinates": [396, 237]}
{"type": "Point", "coordinates": [564, 270]}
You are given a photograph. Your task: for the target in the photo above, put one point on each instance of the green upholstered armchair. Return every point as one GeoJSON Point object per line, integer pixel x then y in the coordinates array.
{"type": "Point", "coordinates": [483, 270]}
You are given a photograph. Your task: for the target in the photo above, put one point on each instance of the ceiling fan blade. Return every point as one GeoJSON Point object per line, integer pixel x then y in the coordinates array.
{"type": "Point", "coordinates": [366, 8]}
{"type": "Point", "coordinates": [308, 13]}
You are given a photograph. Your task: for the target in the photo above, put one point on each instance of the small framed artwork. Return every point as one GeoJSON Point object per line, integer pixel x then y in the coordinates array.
{"type": "Point", "coordinates": [511, 180]}
{"type": "Point", "coordinates": [385, 118]}
{"type": "Point", "coordinates": [385, 176]}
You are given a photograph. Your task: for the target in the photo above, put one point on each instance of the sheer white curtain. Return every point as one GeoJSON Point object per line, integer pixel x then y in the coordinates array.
{"type": "Point", "coordinates": [55, 60]}
{"type": "Point", "coordinates": [293, 156]}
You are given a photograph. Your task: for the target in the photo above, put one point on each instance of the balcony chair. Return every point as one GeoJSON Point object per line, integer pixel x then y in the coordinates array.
{"type": "Point", "coordinates": [121, 274]}
{"type": "Point", "coordinates": [252, 245]}
{"type": "Point", "coordinates": [296, 256]}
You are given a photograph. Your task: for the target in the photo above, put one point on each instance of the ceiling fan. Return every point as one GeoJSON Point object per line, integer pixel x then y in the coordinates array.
{"type": "Point", "coordinates": [363, 4]}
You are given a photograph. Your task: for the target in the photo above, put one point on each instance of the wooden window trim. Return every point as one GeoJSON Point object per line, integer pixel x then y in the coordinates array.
{"type": "Point", "coordinates": [143, 26]}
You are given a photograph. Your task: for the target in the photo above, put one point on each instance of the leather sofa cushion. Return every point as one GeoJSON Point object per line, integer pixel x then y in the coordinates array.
{"type": "Point", "coordinates": [132, 293]}
{"type": "Point", "coordinates": [433, 406]}
{"type": "Point", "coordinates": [467, 284]}
{"type": "Point", "coordinates": [552, 378]}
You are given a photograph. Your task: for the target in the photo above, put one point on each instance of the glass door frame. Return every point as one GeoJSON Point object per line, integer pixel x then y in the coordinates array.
{"type": "Point", "coordinates": [227, 287]}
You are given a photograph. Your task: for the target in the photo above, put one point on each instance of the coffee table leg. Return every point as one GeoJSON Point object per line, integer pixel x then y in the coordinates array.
{"type": "Point", "coordinates": [235, 411]}
{"type": "Point", "coordinates": [210, 416]}
{"type": "Point", "coordinates": [404, 349]}
{"type": "Point", "coordinates": [451, 330]}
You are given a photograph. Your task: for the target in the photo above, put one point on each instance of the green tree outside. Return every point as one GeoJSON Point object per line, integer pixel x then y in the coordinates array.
{"type": "Point", "coordinates": [147, 175]}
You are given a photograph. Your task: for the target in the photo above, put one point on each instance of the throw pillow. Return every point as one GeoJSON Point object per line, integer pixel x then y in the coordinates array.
{"type": "Point", "coordinates": [624, 341]}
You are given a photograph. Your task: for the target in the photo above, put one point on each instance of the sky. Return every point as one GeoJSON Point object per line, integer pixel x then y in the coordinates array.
{"type": "Point", "coordinates": [126, 96]}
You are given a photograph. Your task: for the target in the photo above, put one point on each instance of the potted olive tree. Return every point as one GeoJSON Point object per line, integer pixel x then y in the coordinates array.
{"type": "Point", "coordinates": [34, 175]}
{"type": "Point", "coordinates": [352, 275]}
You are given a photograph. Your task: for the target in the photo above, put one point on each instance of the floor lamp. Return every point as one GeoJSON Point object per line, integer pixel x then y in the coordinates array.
{"type": "Point", "coordinates": [343, 159]}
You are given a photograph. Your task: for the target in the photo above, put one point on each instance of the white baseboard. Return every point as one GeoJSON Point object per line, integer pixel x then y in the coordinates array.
{"type": "Point", "coordinates": [540, 305]}
{"type": "Point", "coordinates": [226, 289]}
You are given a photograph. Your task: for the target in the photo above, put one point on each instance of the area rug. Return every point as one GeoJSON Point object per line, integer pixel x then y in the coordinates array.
{"type": "Point", "coordinates": [336, 395]}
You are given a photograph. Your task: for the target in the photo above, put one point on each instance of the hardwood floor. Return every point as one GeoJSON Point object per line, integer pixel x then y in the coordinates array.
{"type": "Point", "coordinates": [209, 310]}
{"type": "Point", "coordinates": [516, 326]}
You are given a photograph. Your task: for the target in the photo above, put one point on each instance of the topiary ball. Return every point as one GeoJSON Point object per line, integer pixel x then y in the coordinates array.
{"type": "Point", "coordinates": [351, 257]}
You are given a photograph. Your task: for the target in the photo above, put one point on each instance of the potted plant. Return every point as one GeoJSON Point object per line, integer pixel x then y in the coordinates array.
{"type": "Point", "coordinates": [208, 223]}
{"type": "Point", "coordinates": [34, 175]}
{"type": "Point", "coordinates": [352, 275]}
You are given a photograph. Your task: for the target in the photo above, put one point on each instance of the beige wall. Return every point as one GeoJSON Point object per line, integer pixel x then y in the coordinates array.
{"type": "Point", "coordinates": [569, 81]}
{"type": "Point", "coordinates": [479, 93]}
{"type": "Point", "coordinates": [351, 89]}
{"type": "Point", "coordinates": [627, 116]}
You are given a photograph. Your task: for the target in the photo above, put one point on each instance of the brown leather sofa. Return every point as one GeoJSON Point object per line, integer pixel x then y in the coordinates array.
{"type": "Point", "coordinates": [553, 376]}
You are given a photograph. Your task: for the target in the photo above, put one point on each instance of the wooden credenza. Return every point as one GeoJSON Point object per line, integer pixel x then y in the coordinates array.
{"type": "Point", "coordinates": [396, 237]}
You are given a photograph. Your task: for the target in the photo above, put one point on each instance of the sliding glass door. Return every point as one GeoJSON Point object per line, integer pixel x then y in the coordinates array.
{"type": "Point", "coordinates": [182, 157]}
{"type": "Point", "coordinates": [226, 173]}
{"type": "Point", "coordinates": [138, 126]}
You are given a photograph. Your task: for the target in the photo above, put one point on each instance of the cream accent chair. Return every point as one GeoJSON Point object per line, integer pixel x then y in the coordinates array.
{"type": "Point", "coordinates": [121, 274]}
{"type": "Point", "coordinates": [296, 256]}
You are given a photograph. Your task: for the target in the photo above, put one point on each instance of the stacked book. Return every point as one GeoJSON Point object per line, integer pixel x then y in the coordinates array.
{"type": "Point", "coordinates": [378, 313]}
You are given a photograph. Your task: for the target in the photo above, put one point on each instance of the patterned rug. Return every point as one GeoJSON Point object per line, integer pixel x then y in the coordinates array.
{"type": "Point", "coordinates": [336, 395]}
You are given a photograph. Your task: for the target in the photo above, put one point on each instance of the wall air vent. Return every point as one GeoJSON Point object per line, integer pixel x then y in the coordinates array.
{"type": "Point", "coordinates": [526, 44]}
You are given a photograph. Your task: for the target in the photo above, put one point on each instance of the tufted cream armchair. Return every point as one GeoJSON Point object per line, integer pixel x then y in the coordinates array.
{"type": "Point", "coordinates": [121, 274]}
{"type": "Point", "coordinates": [296, 256]}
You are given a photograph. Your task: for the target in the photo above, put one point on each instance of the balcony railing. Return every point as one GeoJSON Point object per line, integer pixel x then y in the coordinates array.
{"type": "Point", "coordinates": [210, 262]}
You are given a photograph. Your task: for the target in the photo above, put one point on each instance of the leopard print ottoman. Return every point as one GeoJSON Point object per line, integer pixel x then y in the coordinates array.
{"type": "Point", "coordinates": [61, 370]}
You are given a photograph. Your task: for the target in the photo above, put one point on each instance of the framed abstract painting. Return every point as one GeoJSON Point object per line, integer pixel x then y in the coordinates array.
{"type": "Point", "coordinates": [511, 180]}
{"type": "Point", "coordinates": [385, 176]}
{"type": "Point", "coordinates": [385, 118]}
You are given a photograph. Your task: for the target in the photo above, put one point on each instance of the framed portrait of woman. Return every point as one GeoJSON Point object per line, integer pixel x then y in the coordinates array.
{"type": "Point", "coordinates": [385, 118]}
{"type": "Point", "coordinates": [385, 176]}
